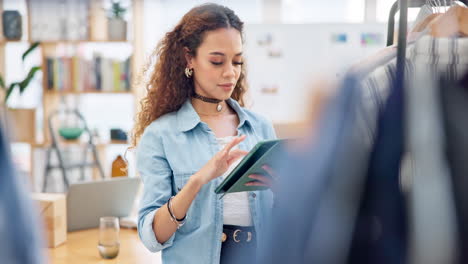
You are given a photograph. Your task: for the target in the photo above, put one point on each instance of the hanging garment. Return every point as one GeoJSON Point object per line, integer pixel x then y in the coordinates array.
{"type": "Point", "coordinates": [381, 229]}
{"type": "Point", "coordinates": [438, 54]}
{"type": "Point", "coordinates": [454, 102]}
{"type": "Point", "coordinates": [318, 189]}
{"type": "Point", "coordinates": [382, 190]}
{"type": "Point", "coordinates": [432, 212]}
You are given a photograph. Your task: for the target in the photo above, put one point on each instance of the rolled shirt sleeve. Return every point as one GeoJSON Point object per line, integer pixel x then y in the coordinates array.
{"type": "Point", "coordinates": [156, 176]}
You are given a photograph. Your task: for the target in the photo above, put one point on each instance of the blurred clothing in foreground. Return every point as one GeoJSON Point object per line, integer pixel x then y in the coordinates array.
{"type": "Point", "coordinates": [19, 221]}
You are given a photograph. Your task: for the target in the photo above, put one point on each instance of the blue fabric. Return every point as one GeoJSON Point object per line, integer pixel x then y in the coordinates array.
{"type": "Point", "coordinates": [454, 102]}
{"type": "Point", "coordinates": [316, 201]}
{"type": "Point", "coordinates": [173, 148]}
{"type": "Point", "coordinates": [20, 241]}
{"type": "Point", "coordinates": [381, 231]}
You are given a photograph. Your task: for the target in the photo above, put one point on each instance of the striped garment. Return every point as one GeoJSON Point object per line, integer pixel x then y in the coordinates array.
{"type": "Point", "coordinates": [442, 55]}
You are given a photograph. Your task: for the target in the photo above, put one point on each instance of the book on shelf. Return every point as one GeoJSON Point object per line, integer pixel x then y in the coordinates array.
{"type": "Point", "coordinates": [76, 74]}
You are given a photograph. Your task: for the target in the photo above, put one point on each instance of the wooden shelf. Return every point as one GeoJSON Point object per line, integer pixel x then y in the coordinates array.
{"type": "Point", "coordinates": [86, 92]}
{"type": "Point", "coordinates": [13, 41]}
{"type": "Point", "coordinates": [68, 42]}
{"type": "Point", "coordinates": [118, 142]}
{"type": "Point", "coordinates": [98, 143]}
{"type": "Point", "coordinates": [59, 42]}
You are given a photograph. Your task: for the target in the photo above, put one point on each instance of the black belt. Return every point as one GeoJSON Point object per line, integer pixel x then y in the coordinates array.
{"type": "Point", "coordinates": [238, 234]}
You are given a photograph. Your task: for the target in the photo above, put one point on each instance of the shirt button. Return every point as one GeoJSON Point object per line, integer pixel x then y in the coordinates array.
{"type": "Point", "coordinates": [253, 195]}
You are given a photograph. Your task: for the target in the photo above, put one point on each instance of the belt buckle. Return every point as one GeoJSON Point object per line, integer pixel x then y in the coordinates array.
{"type": "Point", "coordinates": [249, 236]}
{"type": "Point", "coordinates": [234, 235]}
{"type": "Point", "coordinates": [237, 231]}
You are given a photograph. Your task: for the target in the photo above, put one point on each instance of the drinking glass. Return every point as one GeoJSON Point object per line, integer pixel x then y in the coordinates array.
{"type": "Point", "coordinates": [109, 242]}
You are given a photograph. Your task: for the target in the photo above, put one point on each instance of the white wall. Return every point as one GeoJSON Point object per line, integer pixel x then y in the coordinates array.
{"type": "Point", "coordinates": [162, 15]}
{"type": "Point", "coordinates": [308, 53]}
{"type": "Point", "coordinates": [307, 11]}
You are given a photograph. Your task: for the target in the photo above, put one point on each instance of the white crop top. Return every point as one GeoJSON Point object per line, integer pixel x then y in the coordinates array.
{"type": "Point", "coordinates": [236, 205]}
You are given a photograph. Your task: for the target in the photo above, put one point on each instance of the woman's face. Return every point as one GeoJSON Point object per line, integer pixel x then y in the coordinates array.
{"type": "Point", "coordinates": [218, 63]}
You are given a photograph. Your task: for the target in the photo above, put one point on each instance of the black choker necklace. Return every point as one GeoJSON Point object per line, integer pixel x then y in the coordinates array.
{"type": "Point", "coordinates": [209, 100]}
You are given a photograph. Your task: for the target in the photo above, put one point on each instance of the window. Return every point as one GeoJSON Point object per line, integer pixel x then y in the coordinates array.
{"type": "Point", "coordinates": [383, 10]}
{"type": "Point", "coordinates": [306, 11]}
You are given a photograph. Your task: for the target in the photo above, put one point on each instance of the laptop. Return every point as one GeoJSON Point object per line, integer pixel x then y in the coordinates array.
{"type": "Point", "coordinates": [88, 201]}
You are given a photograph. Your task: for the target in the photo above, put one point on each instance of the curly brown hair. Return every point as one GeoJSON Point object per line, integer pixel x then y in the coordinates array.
{"type": "Point", "coordinates": [167, 87]}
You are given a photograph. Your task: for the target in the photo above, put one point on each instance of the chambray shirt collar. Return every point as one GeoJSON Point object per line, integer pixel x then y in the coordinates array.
{"type": "Point", "coordinates": [187, 117]}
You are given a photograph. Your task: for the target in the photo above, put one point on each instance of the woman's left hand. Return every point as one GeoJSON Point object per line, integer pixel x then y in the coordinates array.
{"type": "Point", "coordinates": [261, 180]}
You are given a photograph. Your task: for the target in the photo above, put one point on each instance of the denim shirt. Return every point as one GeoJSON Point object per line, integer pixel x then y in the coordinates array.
{"type": "Point", "coordinates": [170, 151]}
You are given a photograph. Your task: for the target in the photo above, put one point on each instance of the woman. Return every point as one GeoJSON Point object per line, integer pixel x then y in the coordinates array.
{"type": "Point", "coordinates": [192, 129]}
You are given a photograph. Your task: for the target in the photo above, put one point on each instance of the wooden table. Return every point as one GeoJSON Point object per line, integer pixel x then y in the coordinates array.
{"type": "Point", "coordinates": [81, 247]}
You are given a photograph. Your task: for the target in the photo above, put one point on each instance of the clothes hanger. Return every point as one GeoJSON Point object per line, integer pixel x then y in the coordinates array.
{"type": "Point", "coordinates": [454, 22]}
{"type": "Point", "coordinates": [438, 8]}
{"type": "Point", "coordinates": [422, 25]}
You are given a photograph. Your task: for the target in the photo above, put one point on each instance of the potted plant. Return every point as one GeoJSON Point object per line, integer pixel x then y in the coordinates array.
{"type": "Point", "coordinates": [23, 124]}
{"type": "Point", "coordinates": [117, 26]}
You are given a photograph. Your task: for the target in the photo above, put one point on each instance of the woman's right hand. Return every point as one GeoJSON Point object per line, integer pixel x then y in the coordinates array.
{"type": "Point", "coordinates": [221, 161]}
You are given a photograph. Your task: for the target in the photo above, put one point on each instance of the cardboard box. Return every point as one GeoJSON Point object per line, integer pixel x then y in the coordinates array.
{"type": "Point", "coordinates": [53, 210]}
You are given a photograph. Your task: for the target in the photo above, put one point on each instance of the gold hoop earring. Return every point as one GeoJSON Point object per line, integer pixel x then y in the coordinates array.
{"type": "Point", "coordinates": [188, 72]}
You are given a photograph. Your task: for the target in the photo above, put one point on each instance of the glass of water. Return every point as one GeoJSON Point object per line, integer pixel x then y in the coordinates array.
{"type": "Point", "coordinates": [109, 242]}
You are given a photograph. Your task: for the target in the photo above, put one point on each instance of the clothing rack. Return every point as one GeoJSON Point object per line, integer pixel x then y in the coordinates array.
{"type": "Point", "coordinates": [421, 247]}
{"type": "Point", "coordinates": [403, 6]}
{"type": "Point", "coordinates": [394, 10]}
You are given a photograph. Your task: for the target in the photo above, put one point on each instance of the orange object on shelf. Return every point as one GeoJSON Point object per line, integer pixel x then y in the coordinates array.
{"type": "Point", "coordinates": [119, 167]}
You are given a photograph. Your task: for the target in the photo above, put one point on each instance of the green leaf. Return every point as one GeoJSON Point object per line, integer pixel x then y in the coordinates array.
{"type": "Point", "coordinates": [23, 84]}
{"type": "Point", "coordinates": [31, 48]}
{"type": "Point", "coordinates": [10, 90]}
{"type": "Point", "coordinates": [2, 83]}
{"type": "Point", "coordinates": [117, 10]}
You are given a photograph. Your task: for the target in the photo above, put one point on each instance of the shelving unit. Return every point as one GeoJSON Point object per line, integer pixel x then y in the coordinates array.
{"type": "Point", "coordinates": [96, 34]}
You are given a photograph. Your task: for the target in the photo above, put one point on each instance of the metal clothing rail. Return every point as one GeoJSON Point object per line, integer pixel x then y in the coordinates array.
{"type": "Point", "coordinates": [401, 49]}
{"type": "Point", "coordinates": [391, 17]}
